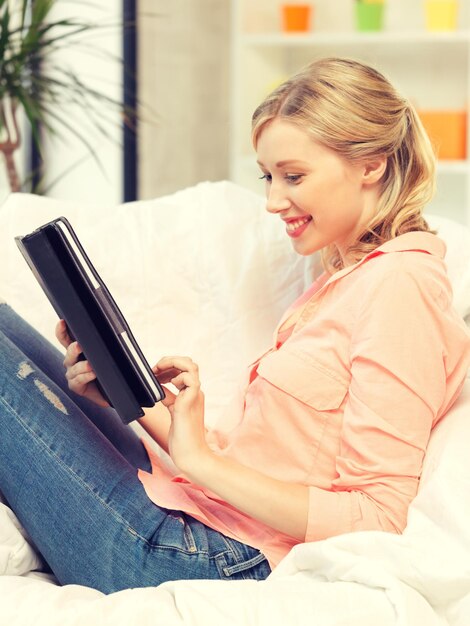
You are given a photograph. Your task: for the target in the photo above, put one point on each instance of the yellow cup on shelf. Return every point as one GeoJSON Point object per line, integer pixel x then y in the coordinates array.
{"type": "Point", "coordinates": [441, 15]}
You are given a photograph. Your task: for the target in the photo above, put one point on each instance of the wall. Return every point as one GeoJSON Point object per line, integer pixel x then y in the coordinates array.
{"type": "Point", "coordinates": [184, 56]}
{"type": "Point", "coordinates": [74, 174]}
{"type": "Point", "coordinates": [4, 188]}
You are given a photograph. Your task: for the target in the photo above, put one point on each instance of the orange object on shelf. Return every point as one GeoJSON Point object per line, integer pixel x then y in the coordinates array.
{"type": "Point", "coordinates": [296, 18]}
{"type": "Point", "coordinates": [448, 133]}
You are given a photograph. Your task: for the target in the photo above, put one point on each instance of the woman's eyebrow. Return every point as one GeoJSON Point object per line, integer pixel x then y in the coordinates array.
{"type": "Point", "coordinates": [290, 162]}
{"type": "Point", "coordinates": [286, 162]}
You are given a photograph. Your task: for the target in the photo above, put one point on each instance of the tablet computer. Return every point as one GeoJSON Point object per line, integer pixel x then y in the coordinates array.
{"type": "Point", "coordinates": [81, 298]}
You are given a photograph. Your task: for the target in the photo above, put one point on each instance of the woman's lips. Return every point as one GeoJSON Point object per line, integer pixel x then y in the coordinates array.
{"type": "Point", "coordinates": [295, 227]}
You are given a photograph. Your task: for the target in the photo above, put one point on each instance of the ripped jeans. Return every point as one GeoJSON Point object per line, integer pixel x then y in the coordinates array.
{"type": "Point", "coordinates": [69, 471]}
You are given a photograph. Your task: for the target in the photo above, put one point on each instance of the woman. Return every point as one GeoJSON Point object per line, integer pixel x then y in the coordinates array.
{"type": "Point", "coordinates": [336, 415]}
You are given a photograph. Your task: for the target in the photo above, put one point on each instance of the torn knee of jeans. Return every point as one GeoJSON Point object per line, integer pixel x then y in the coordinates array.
{"type": "Point", "coordinates": [51, 396]}
{"type": "Point", "coordinates": [24, 370]}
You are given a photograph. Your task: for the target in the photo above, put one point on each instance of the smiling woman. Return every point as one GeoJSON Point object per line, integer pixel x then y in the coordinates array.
{"type": "Point", "coordinates": [323, 198]}
{"type": "Point", "coordinates": [363, 129]}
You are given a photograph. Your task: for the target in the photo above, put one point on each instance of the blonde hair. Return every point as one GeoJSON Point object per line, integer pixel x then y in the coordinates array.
{"type": "Point", "coordinates": [353, 109]}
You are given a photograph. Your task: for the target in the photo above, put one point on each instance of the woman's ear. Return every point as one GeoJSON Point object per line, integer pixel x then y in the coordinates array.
{"type": "Point", "coordinates": [374, 170]}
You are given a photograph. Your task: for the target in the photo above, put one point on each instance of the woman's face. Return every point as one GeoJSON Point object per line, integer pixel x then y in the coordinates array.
{"type": "Point", "coordinates": [322, 198]}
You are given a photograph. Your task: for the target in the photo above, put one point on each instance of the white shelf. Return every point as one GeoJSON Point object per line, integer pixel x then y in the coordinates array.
{"type": "Point", "coordinates": [353, 38]}
{"type": "Point", "coordinates": [453, 167]}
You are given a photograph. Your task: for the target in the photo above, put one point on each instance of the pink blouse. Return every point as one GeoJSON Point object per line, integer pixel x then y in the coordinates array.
{"type": "Point", "coordinates": [344, 401]}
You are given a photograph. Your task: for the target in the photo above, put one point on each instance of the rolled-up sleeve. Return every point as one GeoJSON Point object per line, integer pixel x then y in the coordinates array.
{"type": "Point", "coordinates": [397, 393]}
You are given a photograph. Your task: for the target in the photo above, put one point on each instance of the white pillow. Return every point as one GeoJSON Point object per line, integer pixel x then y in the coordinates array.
{"type": "Point", "coordinates": [457, 239]}
{"type": "Point", "coordinates": [17, 556]}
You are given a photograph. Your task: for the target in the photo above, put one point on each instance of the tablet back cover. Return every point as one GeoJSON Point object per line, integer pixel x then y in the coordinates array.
{"type": "Point", "coordinates": [81, 298]}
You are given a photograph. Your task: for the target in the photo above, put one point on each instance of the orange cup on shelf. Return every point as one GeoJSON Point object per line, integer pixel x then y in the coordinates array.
{"type": "Point", "coordinates": [447, 131]}
{"type": "Point", "coordinates": [296, 18]}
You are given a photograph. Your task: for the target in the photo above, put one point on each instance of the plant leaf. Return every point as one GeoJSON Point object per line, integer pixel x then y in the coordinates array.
{"type": "Point", "coordinates": [30, 36]}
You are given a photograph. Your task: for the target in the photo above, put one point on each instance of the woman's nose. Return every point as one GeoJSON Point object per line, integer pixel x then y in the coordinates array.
{"type": "Point", "coordinates": [276, 199]}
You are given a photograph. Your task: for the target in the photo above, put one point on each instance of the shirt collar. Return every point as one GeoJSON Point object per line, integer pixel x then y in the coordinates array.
{"type": "Point", "coordinates": [417, 241]}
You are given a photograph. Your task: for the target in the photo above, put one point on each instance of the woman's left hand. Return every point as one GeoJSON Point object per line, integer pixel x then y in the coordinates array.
{"type": "Point", "coordinates": [186, 441]}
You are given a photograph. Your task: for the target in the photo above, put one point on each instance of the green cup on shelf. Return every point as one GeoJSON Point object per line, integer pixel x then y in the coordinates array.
{"type": "Point", "coordinates": [369, 15]}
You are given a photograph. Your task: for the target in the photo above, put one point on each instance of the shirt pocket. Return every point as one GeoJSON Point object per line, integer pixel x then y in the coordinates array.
{"type": "Point", "coordinates": [299, 375]}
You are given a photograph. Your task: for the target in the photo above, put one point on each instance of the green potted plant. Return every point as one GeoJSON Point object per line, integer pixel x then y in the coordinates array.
{"type": "Point", "coordinates": [32, 83]}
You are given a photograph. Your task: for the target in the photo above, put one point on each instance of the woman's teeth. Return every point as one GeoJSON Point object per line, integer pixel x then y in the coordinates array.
{"type": "Point", "coordinates": [297, 223]}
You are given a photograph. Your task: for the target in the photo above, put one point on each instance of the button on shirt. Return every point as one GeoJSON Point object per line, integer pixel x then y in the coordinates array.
{"type": "Point", "coordinates": [345, 400]}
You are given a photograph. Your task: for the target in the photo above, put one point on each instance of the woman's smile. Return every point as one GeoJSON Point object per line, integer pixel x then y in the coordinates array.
{"type": "Point", "coordinates": [296, 226]}
{"type": "Point", "coordinates": [322, 197]}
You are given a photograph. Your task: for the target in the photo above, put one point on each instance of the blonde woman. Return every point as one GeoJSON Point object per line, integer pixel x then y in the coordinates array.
{"type": "Point", "coordinates": [336, 415]}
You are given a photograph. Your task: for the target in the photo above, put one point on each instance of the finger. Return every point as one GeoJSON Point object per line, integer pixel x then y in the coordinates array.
{"type": "Point", "coordinates": [79, 382]}
{"type": "Point", "coordinates": [165, 376]}
{"type": "Point", "coordinates": [62, 334]}
{"type": "Point", "coordinates": [186, 380]}
{"type": "Point", "coordinates": [169, 398]}
{"type": "Point", "coordinates": [182, 363]}
{"type": "Point", "coordinates": [72, 354]}
{"type": "Point", "coordinates": [81, 367]}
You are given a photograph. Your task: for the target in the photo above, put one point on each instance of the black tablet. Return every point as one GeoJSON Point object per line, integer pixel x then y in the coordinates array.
{"type": "Point", "coordinates": [80, 297]}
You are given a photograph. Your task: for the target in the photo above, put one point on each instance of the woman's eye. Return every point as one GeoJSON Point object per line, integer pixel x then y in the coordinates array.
{"type": "Point", "coordinates": [293, 178]}
{"type": "Point", "coordinates": [266, 177]}
{"type": "Point", "coordinates": [290, 178]}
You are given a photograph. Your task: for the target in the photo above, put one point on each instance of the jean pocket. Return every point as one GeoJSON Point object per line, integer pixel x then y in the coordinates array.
{"type": "Point", "coordinates": [247, 563]}
{"type": "Point", "coordinates": [188, 543]}
{"type": "Point", "coordinates": [174, 532]}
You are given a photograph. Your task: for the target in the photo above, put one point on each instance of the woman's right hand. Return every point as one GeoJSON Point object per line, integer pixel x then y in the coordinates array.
{"type": "Point", "coordinates": [80, 375]}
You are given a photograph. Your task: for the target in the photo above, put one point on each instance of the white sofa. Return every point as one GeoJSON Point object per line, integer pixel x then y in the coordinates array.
{"type": "Point", "coordinates": [206, 272]}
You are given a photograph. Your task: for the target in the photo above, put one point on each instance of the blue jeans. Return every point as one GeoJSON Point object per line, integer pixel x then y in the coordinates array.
{"type": "Point", "coordinates": [69, 471]}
